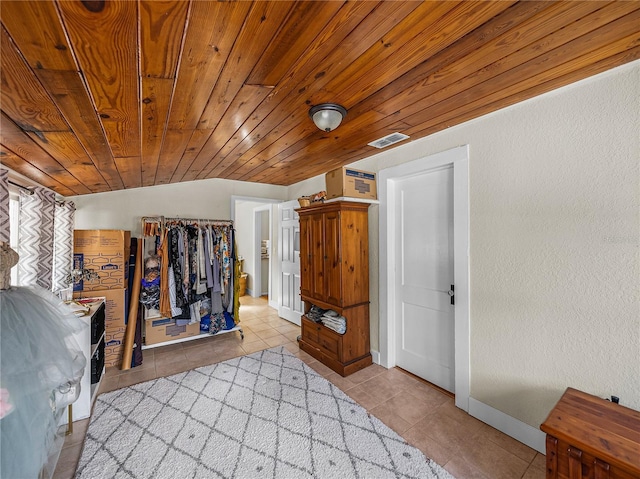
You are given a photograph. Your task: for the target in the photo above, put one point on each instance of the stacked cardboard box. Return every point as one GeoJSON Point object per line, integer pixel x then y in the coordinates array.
{"type": "Point", "coordinates": [106, 252]}
{"type": "Point", "coordinates": [164, 329]}
{"type": "Point", "coordinates": [351, 183]}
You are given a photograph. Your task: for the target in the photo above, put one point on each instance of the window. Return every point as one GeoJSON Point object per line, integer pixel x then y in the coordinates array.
{"type": "Point", "coordinates": [14, 215]}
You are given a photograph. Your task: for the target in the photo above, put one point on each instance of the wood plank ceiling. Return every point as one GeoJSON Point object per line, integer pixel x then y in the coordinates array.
{"type": "Point", "coordinates": [106, 95]}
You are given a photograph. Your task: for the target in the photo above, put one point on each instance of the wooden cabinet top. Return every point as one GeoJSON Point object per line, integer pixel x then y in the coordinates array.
{"type": "Point", "coordinates": [604, 429]}
{"type": "Point", "coordinates": [333, 206]}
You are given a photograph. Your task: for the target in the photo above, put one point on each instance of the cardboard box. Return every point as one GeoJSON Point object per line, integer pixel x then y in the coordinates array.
{"type": "Point", "coordinates": [113, 356]}
{"type": "Point", "coordinates": [115, 314]}
{"type": "Point", "coordinates": [164, 329]}
{"type": "Point", "coordinates": [116, 305]}
{"type": "Point", "coordinates": [114, 337]}
{"type": "Point", "coordinates": [351, 183]}
{"type": "Point", "coordinates": [107, 253]}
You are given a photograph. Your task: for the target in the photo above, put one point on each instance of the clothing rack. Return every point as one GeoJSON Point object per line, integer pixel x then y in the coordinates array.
{"type": "Point", "coordinates": [197, 222]}
{"type": "Point", "coordinates": [162, 222]}
{"type": "Point", "coordinates": [158, 226]}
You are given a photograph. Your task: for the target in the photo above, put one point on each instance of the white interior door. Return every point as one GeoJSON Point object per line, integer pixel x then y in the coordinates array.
{"type": "Point", "coordinates": [289, 302]}
{"type": "Point", "coordinates": [424, 240]}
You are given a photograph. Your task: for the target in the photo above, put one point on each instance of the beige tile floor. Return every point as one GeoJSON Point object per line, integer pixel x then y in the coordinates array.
{"type": "Point", "coordinates": [423, 415]}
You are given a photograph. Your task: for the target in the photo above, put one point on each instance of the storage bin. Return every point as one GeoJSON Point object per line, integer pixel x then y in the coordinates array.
{"type": "Point", "coordinates": [243, 284]}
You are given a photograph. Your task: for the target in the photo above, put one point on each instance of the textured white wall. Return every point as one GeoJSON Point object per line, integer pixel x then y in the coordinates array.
{"type": "Point", "coordinates": [555, 232]}
{"type": "Point", "coordinates": [209, 199]}
{"type": "Point", "coordinates": [245, 237]}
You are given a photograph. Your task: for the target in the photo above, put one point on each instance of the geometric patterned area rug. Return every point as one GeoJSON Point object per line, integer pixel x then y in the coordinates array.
{"type": "Point", "coordinates": [265, 415]}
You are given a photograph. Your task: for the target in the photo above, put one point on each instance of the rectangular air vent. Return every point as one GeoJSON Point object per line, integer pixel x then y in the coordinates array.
{"type": "Point", "coordinates": [388, 140]}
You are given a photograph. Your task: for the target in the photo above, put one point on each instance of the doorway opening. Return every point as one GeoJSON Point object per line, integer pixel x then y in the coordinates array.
{"type": "Point", "coordinates": [252, 220]}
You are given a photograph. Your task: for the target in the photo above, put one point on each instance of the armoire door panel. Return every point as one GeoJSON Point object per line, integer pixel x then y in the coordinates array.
{"type": "Point", "coordinates": [354, 254]}
{"type": "Point", "coordinates": [332, 264]}
{"type": "Point", "coordinates": [317, 256]}
{"type": "Point", "coordinates": [306, 265]}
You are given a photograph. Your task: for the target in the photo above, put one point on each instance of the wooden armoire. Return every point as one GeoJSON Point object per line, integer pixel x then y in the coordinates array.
{"type": "Point", "coordinates": [334, 274]}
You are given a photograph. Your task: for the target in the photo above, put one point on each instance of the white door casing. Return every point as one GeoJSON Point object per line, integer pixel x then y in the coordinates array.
{"type": "Point", "coordinates": [236, 201]}
{"type": "Point", "coordinates": [290, 305]}
{"type": "Point", "coordinates": [459, 158]}
{"type": "Point", "coordinates": [424, 315]}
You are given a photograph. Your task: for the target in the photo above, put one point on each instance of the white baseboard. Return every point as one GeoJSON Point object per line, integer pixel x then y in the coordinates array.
{"type": "Point", "coordinates": [273, 304]}
{"type": "Point", "coordinates": [529, 435]}
{"type": "Point", "coordinates": [375, 356]}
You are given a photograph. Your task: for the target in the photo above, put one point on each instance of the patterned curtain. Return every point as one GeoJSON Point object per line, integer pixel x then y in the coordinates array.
{"type": "Point", "coordinates": [4, 206]}
{"type": "Point", "coordinates": [35, 244]}
{"type": "Point", "coordinates": [63, 243]}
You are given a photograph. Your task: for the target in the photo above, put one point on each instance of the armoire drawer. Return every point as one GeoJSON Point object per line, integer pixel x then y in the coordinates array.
{"type": "Point", "coordinates": [321, 337]}
{"type": "Point", "coordinates": [310, 332]}
{"type": "Point", "coordinates": [330, 343]}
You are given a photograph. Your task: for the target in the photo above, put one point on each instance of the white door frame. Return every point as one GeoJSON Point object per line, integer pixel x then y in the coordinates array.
{"type": "Point", "coordinates": [459, 159]}
{"type": "Point", "coordinates": [290, 314]}
{"type": "Point", "coordinates": [235, 199]}
{"type": "Point", "coordinates": [257, 256]}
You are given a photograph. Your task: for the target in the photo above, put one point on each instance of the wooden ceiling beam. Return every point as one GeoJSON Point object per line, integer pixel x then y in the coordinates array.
{"type": "Point", "coordinates": [162, 27]}
{"type": "Point", "coordinates": [610, 56]}
{"type": "Point", "coordinates": [174, 144]}
{"type": "Point", "coordinates": [109, 66]}
{"type": "Point", "coordinates": [47, 51]}
{"type": "Point", "coordinates": [38, 29]}
{"type": "Point", "coordinates": [305, 22]}
{"type": "Point", "coordinates": [22, 96]}
{"type": "Point", "coordinates": [21, 165]}
{"type": "Point", "coordinates": [341, 25]}
{"type": "Point", "coordinates": [426, 31]}
{"type": "Point", "coordinates": [449, 83]}
{"type": "Point", "coordinates": [242, 107]}
{"type": "Point", "coordinates": [14, 139]}
{"type": "Point", "coordinates": [383, 18]}
{"type": "Point", "coordinates": [463, 115]}
{"type": "Point", "coordinates": [506, 21]}
{"type": "Point", "coordinates": [263, 21]}
{"type": "Point", "coordinates": [121, 94]}
{"type": "Point", "coordinates": [156, 99]}
{"type": "Point", "coordinates": [213, 27]}
{"type": "Point", "coordinates": [72, 99]}
{"type": "Point", "coordinates": [65, 147]}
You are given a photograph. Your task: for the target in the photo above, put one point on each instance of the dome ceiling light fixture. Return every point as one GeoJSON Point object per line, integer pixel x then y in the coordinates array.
{"type": "Point", "coordinates": [327, 116]}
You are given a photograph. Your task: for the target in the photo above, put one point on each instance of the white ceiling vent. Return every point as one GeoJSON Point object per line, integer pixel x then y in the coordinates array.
{"type": "Point", "coordinates": [388, 140]}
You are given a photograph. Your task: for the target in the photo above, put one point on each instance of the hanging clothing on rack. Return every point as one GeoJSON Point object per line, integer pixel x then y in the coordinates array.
{"type": "Point", "coordinates": [199, 267]}
{"type": "Point", "coordinates": [176, 261]}
{"type": "Point", "coordinates": [165, 297]}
